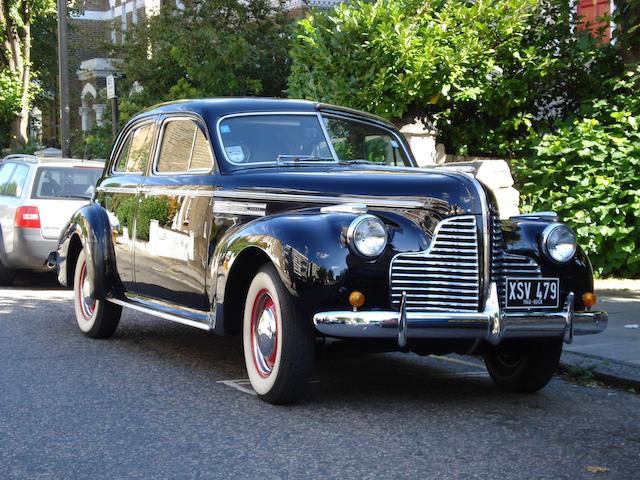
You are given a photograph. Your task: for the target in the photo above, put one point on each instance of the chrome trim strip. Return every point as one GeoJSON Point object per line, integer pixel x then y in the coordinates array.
{"type": "Point", "coordinates": [282, 197]}
{"type": "Point", "coordinates": [492, 324]}
{"type": "Point", "coordinates": [133, 189]}
{"type": "Point", "coordinates": [150, 190]}
{"type": "Point", "coordinates": [239, 208]}
{"type": "Point", "coordinates": [132, 304]}
{"type": "Point", "coordinates": [549, 215]}
{"type": "Point", "coordinates": [486, 246]}
{"type": "Point", "coordinates": [354, 208]}
{"type": "Point", "coordinates": [305, 198]}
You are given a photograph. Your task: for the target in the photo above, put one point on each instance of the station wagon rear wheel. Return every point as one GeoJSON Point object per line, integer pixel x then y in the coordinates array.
{"type": "Point", "coordinates": [278, 344]}
{"type": "Point", "coordinates": [95, 318]}
{"type": "Point", "coordinates": [6, 275]}
{"type": "Point", "coordinates": [525, 371]}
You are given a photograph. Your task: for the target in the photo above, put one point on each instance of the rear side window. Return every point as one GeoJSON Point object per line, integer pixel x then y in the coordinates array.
{"type": "Point", "coordinates": [6, 171]}
{"type": "Point", "coordinates": [184, 148]}
{"type": "Point", "coordinates": [70, 183]}
{"type": "Point", "coordinates": [18, 179]}
{"type": "Point", "coordinates": [134, 154]}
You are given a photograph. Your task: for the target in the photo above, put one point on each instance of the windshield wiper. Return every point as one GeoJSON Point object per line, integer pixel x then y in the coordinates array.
{"type": "Point", "coordinates": [284, 159]}
{"type": "Point", "coordinates": [83, 197]}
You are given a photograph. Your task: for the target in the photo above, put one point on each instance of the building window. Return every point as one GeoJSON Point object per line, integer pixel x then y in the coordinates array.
{"type": "Point", "coordinates": [594, 17]}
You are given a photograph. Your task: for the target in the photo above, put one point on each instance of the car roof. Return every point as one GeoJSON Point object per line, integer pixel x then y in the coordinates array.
{"type": "Point", "coordinates": [211, 109]}
{"type": "Point", "coordinates": [53, 161]}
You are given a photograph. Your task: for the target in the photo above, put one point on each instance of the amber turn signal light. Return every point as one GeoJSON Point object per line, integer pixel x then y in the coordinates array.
{"type": "Point", "coordinates": [356, 299]}
{"type": "Point", "coordinates": [589, 299]}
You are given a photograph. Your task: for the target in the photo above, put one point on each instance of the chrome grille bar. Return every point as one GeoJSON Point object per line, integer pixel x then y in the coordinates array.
{"type": "Point", "coordinates": [446, 277]}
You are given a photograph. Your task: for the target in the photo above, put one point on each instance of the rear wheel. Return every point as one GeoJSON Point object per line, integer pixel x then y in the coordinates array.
{"type": "Point", "coordinates": [278, 343]}
{"type": "Point", "coordinates": [6, 275]}
{"type": "Point", "coordinates": [96, 318]}
{"type": "Point", "coordinates": [524, 370]}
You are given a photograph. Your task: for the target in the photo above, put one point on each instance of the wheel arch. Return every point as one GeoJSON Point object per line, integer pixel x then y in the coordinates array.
{"type": "Point", "coordinates": [89, 230]}
{"type": "Point", "coordinates": [245, 266]}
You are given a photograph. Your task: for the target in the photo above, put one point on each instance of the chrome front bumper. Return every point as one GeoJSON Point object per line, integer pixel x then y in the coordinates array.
{"type": "Point", "coordinates": [493, 324]}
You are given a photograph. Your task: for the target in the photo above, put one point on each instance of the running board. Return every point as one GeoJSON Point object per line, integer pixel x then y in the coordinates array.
{"type": "Point", "coordinates": [137, 305]}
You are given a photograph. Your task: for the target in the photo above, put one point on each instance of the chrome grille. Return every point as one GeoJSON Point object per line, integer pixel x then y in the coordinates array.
{"type": "Point", "coordinates": [444, 277]}
{"type": "Point", "coordinates": [505, 265]}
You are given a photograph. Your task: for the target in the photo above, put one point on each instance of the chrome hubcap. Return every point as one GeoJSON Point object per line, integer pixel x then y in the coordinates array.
{"type": "Point", "coordinates": [264, 333]}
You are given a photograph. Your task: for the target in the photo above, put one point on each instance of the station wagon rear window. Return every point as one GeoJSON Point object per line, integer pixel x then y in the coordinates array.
{"type": "Point", "coordinates": [290, 138]}
{"type": "Point", "coordinates": [70, 183]}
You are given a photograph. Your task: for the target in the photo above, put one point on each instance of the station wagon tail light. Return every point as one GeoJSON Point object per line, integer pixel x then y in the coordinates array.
{"type": "Point", "coordinates": [27, 217]}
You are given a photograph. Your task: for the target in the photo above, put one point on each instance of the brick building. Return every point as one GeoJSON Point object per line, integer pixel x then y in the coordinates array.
{"type": "Point", "coordinates": [101, 22]}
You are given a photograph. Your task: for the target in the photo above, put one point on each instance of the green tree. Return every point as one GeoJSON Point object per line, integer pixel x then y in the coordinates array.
{"type": "Point", "coordinates": [207, 48]}
{"type": "Point", "coordinates": [489, 74]}
{"type": "Point", "coordinates": [588, 170]}
{"type": "Point", "coordinates": [16, 76]}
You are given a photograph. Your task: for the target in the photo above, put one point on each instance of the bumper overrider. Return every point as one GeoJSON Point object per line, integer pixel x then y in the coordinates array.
{"type": "Point", "coordinates": [493, 324]}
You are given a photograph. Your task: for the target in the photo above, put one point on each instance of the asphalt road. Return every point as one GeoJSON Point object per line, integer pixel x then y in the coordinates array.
{"type": "Point", "coordinates": [158, 401]}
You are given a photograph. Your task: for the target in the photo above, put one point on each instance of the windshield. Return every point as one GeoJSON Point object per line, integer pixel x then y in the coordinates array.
{"type": "Point", "coordinates": [65, 182]}
{"type": "Point", "coordinates": [289, 138]}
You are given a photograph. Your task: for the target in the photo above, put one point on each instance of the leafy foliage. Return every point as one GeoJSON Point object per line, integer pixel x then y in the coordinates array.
{"type": "Point", "coordinates": [207, 48]}
{"type": "Point", "coordinates": [488, 74]}
{"type": "Point", "coordinates": [17, 88]}
{"type": "Point", "coordinates": [589, 172]}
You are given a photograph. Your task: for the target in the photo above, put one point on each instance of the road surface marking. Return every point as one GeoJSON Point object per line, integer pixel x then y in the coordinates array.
{"type": "Point", "coordinates": [242, 384]}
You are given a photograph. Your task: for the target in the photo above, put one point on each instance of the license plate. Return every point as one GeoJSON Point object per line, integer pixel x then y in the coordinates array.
{"type": "Point", "coordinates": [533, 292]}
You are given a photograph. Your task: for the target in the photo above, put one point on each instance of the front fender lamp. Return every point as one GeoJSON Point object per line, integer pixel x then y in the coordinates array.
{"type": "Point", "coordinates": [559, 242]}
{"type": "Point", "coordinates": [367, 236]}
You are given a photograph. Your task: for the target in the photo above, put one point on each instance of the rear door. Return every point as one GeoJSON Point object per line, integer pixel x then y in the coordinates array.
{"type": "Point", "coordinates": [118, 193]}
{"type": "Point", "coordinates": [59, 191]}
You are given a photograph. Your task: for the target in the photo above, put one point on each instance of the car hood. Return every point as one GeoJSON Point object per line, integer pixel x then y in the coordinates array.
{"type": "Point", "coordinates": [449, 190]}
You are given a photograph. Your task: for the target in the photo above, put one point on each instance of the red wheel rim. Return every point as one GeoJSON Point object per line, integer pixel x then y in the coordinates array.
{"type": "Point", "coordinates": [264, 333]}
{"type": "Point", "coordinates": [87, 304]}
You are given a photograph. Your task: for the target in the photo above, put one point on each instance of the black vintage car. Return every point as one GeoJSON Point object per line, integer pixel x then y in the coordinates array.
{"type": "Point", "coordinates": [293, 223]}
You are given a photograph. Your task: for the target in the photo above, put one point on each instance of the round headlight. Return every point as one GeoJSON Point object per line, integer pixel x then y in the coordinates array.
{"type": "Point", "coordinates": [559, 242]}
{"type": "Point", "coordinates": [367, 235]}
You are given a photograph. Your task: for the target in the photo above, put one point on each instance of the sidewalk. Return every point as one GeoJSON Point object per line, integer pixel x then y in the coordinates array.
{"type": "Point", "coordinates": [614, 355]}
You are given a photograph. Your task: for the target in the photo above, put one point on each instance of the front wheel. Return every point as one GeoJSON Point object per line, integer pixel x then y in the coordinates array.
{"type": "Point", "coordinates": [278, 343]}
{"type": "Point", "coordinates": [96, 318]}
{"type": "Point", "coordinates": [526, 369]}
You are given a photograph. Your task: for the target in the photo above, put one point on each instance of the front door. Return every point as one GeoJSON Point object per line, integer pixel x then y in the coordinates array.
{"type": "Point", "coordinates": [174, 217]}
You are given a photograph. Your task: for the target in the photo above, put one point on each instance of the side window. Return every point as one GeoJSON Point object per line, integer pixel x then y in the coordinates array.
{"type": "Point", "coordinates": [121, 162]}
{"type": "Point", "coordinates": [201, 156]}
{"type": "Point", "coordinates": [6, 171]}
{"type": "Point", "coordinates": [184, 148]}
{"type": "Point", "coordinates": [18, 179]}
{"type": "Point", "coordinates": [135, 151]}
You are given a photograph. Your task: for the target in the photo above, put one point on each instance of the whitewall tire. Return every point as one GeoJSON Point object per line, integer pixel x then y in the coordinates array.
{"type": "Point", "coordinates": [278, 343]}
{"type": "Point", "coordinates": [95, 318]}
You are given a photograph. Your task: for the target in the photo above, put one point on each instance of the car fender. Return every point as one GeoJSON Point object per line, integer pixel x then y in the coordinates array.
{"type": "Point", "coordinates": [310, 253]}
{"type": "Point", "coordinates": [91, 227]}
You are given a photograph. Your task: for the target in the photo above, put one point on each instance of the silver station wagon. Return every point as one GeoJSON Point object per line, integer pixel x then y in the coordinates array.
{"type": "Point", "coordinates": [37, 197]}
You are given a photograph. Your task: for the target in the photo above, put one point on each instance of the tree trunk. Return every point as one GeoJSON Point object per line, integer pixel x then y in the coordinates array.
{"type": "Point", "coordinates": [19, 129]}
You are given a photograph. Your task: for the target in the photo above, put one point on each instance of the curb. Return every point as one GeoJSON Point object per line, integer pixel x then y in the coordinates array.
{"type": "Point", "coordinates": [607, 371]}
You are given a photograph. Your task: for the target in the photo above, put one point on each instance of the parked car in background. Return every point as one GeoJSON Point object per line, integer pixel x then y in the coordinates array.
{"type": "Point", "coordinates": [291, 221]}
{"type": "Point", "coordinates": [37, 197]}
